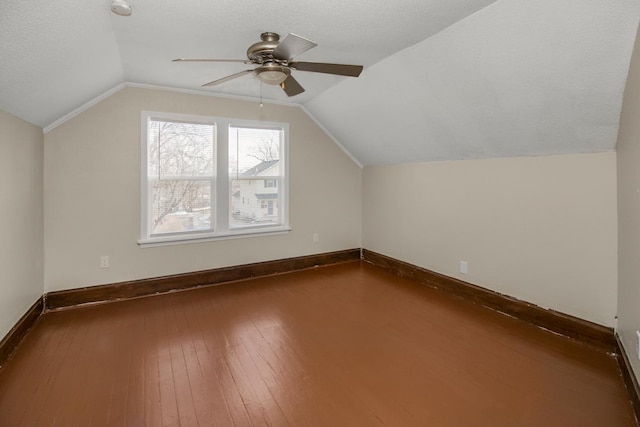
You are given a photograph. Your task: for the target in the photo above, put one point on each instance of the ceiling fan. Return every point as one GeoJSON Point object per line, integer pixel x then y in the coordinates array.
{"type": "Point", "coordinates": [274, 59]}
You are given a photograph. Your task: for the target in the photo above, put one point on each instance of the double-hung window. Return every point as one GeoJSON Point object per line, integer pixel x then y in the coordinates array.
{"type": "Point", "coordinates": [207, 178]}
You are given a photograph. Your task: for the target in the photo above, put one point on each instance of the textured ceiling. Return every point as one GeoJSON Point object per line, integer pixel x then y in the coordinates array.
{"type": "Point", "coordinates": [517, 78]}
{"type": "Point", "coordinates": [55, 56]}
{"type": "Point", "coordinates": [443, 79]}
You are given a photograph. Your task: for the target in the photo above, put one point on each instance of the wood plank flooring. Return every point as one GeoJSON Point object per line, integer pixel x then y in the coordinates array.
{"type": "Point", "coordinates": [345, 345]}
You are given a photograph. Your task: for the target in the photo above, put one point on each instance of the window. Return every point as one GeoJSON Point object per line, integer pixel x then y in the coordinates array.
{"type": "Point", "coordinates": [208, 178]}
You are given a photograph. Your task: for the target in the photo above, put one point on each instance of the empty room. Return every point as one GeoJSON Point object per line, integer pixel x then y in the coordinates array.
{"type": "Point", "coordinates": [242, 213]}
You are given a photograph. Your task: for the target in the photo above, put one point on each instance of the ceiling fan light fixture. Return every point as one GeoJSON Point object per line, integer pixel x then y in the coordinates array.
{"type": "Point", "coordinates": [121, 7]}
{"type": "Point", "coordinates": [272, 77]}
{"type": "Point", "coordinates": [273, 74]}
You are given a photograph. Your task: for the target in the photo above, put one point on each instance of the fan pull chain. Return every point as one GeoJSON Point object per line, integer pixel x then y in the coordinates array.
{"type": "Point", "coordinates": [261, 105]}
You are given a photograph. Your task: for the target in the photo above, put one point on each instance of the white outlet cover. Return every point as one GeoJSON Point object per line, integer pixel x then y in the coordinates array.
{"type": "Point", "coordinates": [104, 261]}
{"type": "Point", "coordinates": [638, 333]}
{"type": "Point", "coordinates": [464, 267]}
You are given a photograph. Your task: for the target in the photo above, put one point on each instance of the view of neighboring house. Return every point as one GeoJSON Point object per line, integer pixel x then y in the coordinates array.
{"type": "Point", "coordinates": [255, 194]}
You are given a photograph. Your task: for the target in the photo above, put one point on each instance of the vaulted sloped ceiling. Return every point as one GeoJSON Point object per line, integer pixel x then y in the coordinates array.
{"type": "Point", "coordinates": [55, 56]}
{"type": "Point", "coordinates": [517, 78]}
{"type": "Point", "coordinates": [443, 79]}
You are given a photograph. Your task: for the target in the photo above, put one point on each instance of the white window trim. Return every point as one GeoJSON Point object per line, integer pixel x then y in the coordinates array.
{"type": "Point", "coordinates": [221, 213]}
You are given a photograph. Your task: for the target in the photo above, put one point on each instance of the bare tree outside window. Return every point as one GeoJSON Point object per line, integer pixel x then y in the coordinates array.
{"type": "Point", "coordinates": [180, 168]}
{"type": "Point", "coordinates": [249, 147]}
{"type": "Point", "coordinates": [266, 149]}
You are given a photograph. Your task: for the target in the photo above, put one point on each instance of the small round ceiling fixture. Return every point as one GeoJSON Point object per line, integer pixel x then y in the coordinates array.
{"type": "Point", "coordinates": [121, 7]}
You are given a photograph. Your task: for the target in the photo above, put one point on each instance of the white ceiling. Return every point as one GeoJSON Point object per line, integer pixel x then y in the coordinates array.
{"type": "Point", "coordinates": [443, 79]}
{"type": "Point", "coordinates": [517, 78]}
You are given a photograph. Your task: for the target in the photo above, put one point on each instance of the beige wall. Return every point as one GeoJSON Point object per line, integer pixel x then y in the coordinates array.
{"type": "Point", "coordinates": [21, 248]}
{"type": "Point", "coordinates": [541, 229]}
{"type": "Point", "coordinates": [629, 214]}
{"type": "Point", "coordinates": [92, 193]}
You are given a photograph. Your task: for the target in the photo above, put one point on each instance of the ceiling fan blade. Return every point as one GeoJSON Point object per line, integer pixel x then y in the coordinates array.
{"type": "Point", "coordinates": [291, 46]}
{"type": "Point", "coordinates": [210, 60]}
{"type": "Point", "coordinates": [321, 67]}
{"type": "Point", "coordinates": [291, 86]}
{"type": "Point", "coordinates": [226, 79]}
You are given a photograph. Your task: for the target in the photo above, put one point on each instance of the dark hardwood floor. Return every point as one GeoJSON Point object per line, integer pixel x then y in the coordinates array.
{"type": "Point", "coordinates": [344, 345]}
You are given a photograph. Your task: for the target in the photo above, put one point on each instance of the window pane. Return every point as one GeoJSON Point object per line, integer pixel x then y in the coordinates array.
{"type": "Point", "coordinates": [254, 151]}
{"type": "Point", "coordinates": [180, 149]}
{"type": "Point", "coordinates": [253, 203]}
{"type": "Point", "coordinates": [180, 206]}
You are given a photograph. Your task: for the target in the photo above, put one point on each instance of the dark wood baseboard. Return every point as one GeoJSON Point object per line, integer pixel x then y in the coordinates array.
{"type": "Point", "coordinates": [587, 332]}
{"type": "Point", "coordinates": [138, 288]}
{"type": "Point", "coordinates": [10, 342]}
{"type": "Point", "coordinates": [630, 380]}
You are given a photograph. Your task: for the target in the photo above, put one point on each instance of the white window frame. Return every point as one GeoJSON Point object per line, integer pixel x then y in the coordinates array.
{"type": "Point", "coordinates": [221, 203]}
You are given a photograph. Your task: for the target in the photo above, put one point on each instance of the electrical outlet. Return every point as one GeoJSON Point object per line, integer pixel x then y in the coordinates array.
{"type": "Point", "coordinates": [638, 348]}
{"type": "Point", "coordinates": [464, 267]}
{"type": "Point", "coordinates": [316, 237]}
{"type": "Point", "coordinates": [104, 261]}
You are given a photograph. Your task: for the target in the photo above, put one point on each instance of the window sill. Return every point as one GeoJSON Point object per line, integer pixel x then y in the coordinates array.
{"type": "Point", "coordinates": [210, 237]}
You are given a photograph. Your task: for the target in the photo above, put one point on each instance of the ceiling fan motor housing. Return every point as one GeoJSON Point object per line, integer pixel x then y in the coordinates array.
{"type": "Point", "coordinates": [260, 52]}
